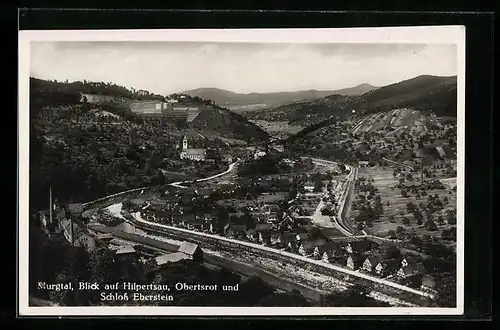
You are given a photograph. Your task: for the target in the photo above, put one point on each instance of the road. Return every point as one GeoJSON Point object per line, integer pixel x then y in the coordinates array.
{"type": "Point", "coordinates": [346, 202]}
{"type": "Point", "coordinates": [317, 217]}
{"type": "Point", "coordinates": [400, 164]}
{"type": "Point", "coordinates": [178, 184]}
{"type": "Point", "coordinates": [341, 221]}
{"type": "Point", "coordinates": [270, 251]}
{"type": "Point", "coordinates": [245, 270]}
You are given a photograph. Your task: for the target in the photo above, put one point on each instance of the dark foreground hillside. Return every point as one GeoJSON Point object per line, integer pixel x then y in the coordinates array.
{"type": "Point", "coordinates": [55, 261]}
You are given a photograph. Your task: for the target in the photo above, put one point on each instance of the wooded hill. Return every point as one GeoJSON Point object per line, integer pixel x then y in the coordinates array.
{"type": "Point", "coordinates": [54, 93]}
{"type": "Point", "coordinates": [425, 93]}
{"type": "Point", "coordinates": [229, 99]}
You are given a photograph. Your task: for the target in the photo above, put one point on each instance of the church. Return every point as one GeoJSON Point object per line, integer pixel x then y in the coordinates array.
{"type": "Point", "coordinates": [196, 154]}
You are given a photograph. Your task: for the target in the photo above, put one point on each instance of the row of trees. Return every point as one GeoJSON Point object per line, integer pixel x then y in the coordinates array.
{"type": "Point", "coordinates": [84, 156]}
{"type": "Point", "coordinates": [71, 90]}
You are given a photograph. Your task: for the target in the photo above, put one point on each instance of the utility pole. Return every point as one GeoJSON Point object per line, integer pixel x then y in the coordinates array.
{"type": "Point", "coordinates": [71, 230]}
{"type": "Point", "coordinates": [421, 169]}
{"type": "Point", "coordinates": [50, 205]}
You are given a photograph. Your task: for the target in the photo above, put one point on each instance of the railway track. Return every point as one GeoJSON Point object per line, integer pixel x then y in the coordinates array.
{"type": "Point", "coordinates": [272, 252]}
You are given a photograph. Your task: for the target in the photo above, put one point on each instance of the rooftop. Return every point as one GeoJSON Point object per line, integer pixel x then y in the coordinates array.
{"type": "Point", "coordinates": [188, 248]}
{"type": "Point", "coordinates": [170, 257]}
{"type": "Point", "coordinates": [125, 250]}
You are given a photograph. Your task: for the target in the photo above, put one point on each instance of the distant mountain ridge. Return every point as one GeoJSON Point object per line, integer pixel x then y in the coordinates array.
{"type": "Point", "coordinates": [240, 100]}
{"type": "Point", "coordinates": [425, 93]}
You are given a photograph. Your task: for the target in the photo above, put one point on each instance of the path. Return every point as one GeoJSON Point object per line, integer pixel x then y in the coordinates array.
{"type": "Point", "coordinates": [178, 184]}
{"type": "Point", "coordinates": [269, 250]}
{"type": "Point", "coordinates": [397, 163]}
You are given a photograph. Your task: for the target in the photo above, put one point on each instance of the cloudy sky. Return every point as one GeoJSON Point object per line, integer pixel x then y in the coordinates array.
{"type": "Point", "coordinates": [169, 67]}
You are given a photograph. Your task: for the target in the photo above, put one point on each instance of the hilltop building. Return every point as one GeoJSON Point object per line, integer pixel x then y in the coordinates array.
{"type": "Point", "coordinates": [95, 98]}
{"type": "Point", "coordinates": [196, 154]}
{"type": "Point", "coordinates": [171, 110]}
{"type": "Point", "coordinates": [150, 108]}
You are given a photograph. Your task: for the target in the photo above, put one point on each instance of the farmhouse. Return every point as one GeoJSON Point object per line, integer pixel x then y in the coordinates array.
{"type": "Point", "coordinates": [104, 237]}
{"type": "Point", "coordinates": [307, 248]}
{"type": "Point", "coordinates": [371, 262]}
{"type": "Point", "coordinates": [359, 246]}
{"type": "Point", "coordinates": [275, 237]}
{"type": "Point", "coordinates": [76, 235]}
{"type": "Point", "coordinates": [409, 260]}
{"type": "Point", "coordinates": [252, 235]}
{"type": "Point", "coordinates": [327, 252]}
{"type": "Point", "coordinates": [192, 251]}
{"type": "Point", "coordinates": [232, 230]}
{"type": "Point", "coordinates": [75, 209]}
{"type": "Point", "coordinates": [355, 261]}
{"type": "Point", "coordinates": [165, 259]}
{"type": "Point", "coordinates": [411, 270]}
{"type": "Point", "coordinates": [309, 186]}
{"type": "Point", "coordinates": [428, 284]}
{"type": "Point", "coordinates": [387, 267]}
{"type": "Point", "coordinates": [126, 252]}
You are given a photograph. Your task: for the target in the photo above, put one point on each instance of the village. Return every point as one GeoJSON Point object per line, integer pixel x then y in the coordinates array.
{"type": "Point", "coordinates": [361, 209]}
{"type": "Point", "coordinates": [295, 211]}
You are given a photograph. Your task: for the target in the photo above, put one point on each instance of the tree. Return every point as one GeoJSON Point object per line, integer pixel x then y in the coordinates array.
{"type": "Point", "coordinates": [378, 208]}
{"type": "Point", "coordinates": [440, 220]}
{"type": "Point", "coordinates": [254, 289]}
{"type": "Point", "coordinates": [410, 207]}
{"type": "Point", "coordinates": [356, 296]}
{"type": "Point", "coordinates": [318, 186]}
{"type": "Point", "coordinates": [446, 289]}
{"type": "Point", "coordinates": [449, 234]}
{"type": "Point", "coordinates": [418, 215]}
{"type": "Point", "coordinates": [404, 193]}
{"type": "Point", "coordinates": [400, 229]}
{"type": "Point", "coordinates": [451, 217]}
{"type": "Point", "coordinates": [392, 252]}
{"type": "Point", "coordinates": [430, 225]}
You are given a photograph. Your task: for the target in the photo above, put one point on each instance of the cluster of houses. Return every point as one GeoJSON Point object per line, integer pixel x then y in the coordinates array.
{"type": "Point", "coordinates": [357, 254]}
{"type": "Point", "coordinates": [70, 220]}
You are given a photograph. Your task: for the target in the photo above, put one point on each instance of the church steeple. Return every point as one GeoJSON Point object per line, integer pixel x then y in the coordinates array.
{"type": "Point", "coordinates": [184, 143]}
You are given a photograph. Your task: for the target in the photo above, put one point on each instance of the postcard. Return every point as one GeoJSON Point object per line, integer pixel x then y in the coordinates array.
{"type": "Point", "coordinates": [241, 172]}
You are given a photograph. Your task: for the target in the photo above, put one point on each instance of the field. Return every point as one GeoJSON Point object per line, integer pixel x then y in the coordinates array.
{"type": "Point", "coordinates": [399, 119]}
{"type": "Point", "coordinates": [277, 128]}
{"type": "Point", "coordinates": [394, 213]}
{"type": "Point", "coordinates": [169, 175]}
{"type": "Point", "coordinates": [201, 134]}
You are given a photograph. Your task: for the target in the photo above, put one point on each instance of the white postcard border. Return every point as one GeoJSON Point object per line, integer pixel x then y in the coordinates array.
{"type": "Point", "coordinates": [408, 35]}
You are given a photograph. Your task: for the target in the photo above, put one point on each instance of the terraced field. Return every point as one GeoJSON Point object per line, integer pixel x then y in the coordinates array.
{"type": "Point", "coordinates": [280, 129]}
{"type": "Point", "coordinates": [400, 119]}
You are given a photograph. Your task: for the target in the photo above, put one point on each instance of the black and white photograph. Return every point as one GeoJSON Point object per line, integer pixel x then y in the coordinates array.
{"type": "Point", "coordinates": [242, 172]}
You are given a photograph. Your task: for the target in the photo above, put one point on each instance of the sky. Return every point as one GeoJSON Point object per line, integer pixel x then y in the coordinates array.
{"type": "Point", "coordinates": [171, 67]}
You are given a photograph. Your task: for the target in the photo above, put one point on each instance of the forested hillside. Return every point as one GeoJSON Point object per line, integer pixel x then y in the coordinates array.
{"type": "Point", "coordinates": [54, 93]}
{"type": "Point", "coordinates": [229, 124]}
{"type": "Point", "coordinates": [84, 153]}
{"type": "Point", "coordinates": [425, 93]}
